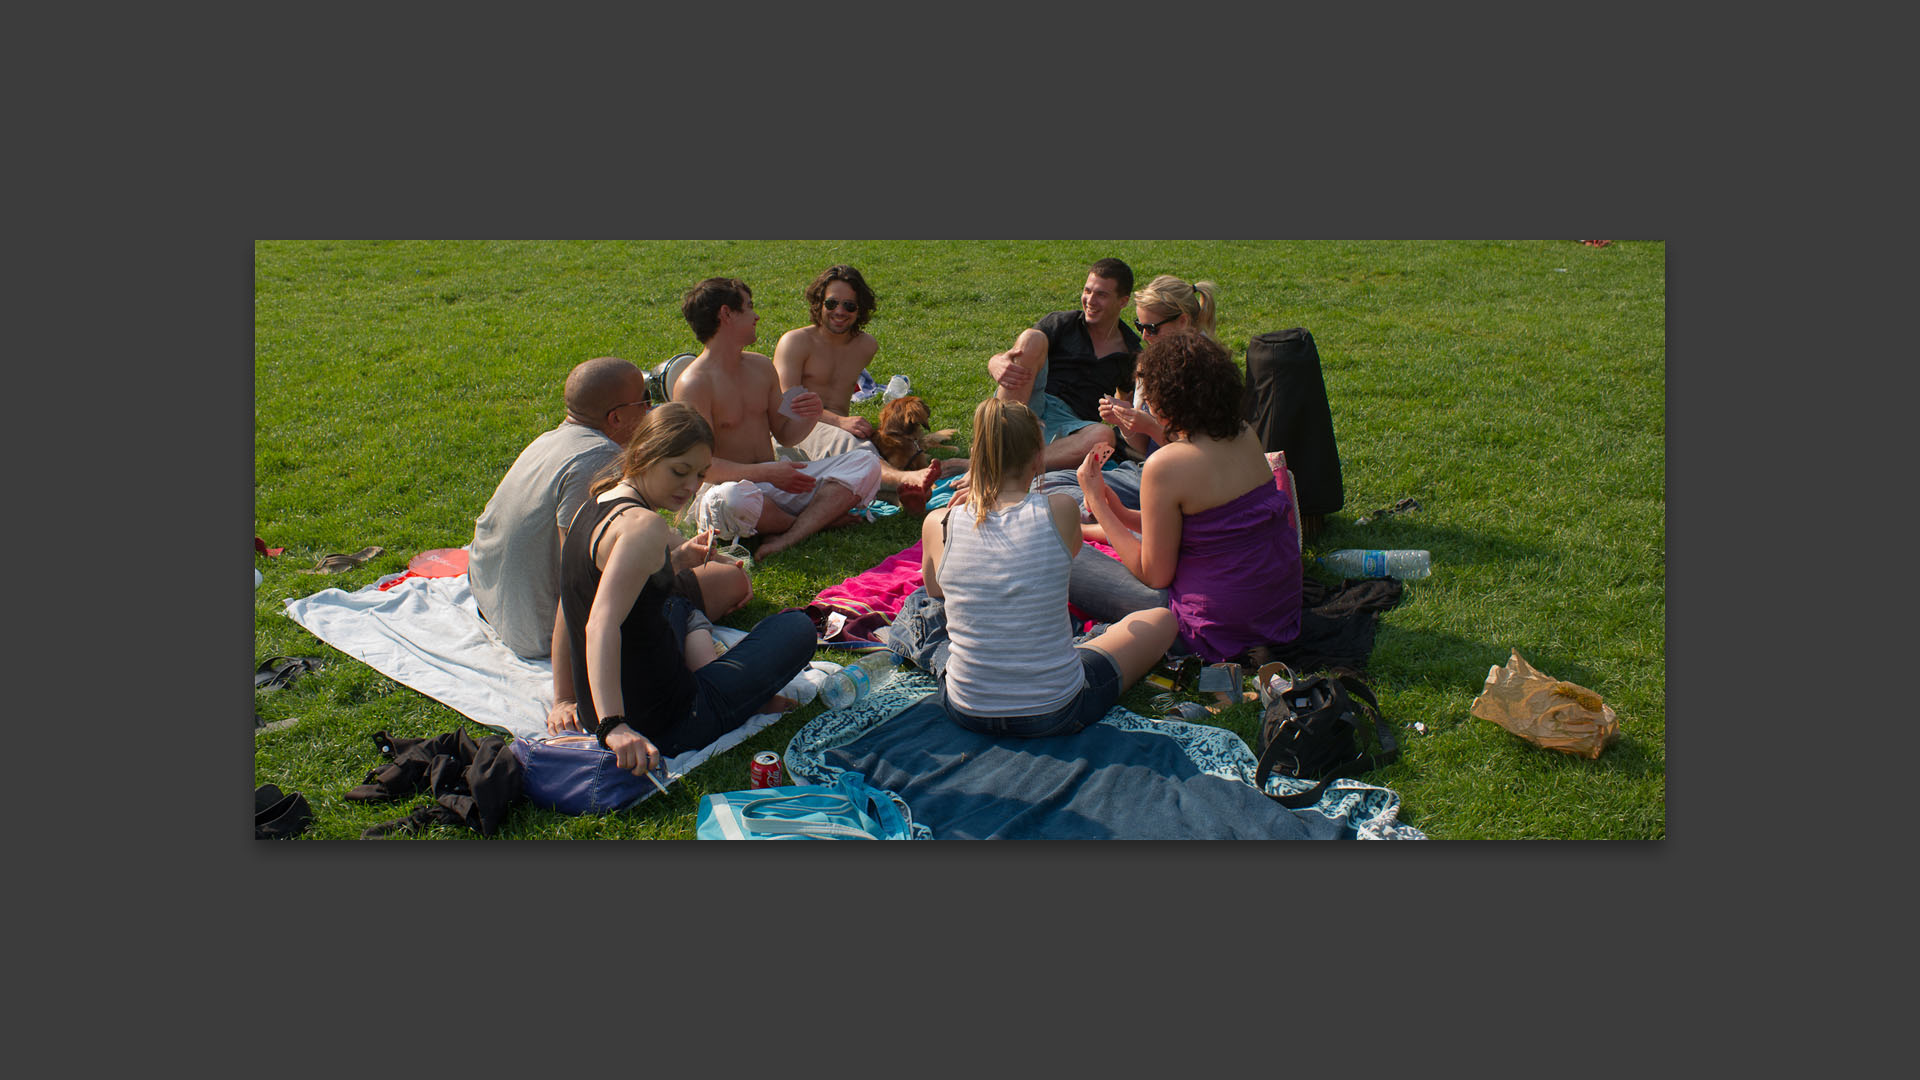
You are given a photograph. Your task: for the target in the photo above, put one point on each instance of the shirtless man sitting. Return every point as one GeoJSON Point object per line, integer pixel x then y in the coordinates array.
{"type": "Point", "coordinates": [739, 394]}
{"type": "Point", "coordinates": [827, 358]}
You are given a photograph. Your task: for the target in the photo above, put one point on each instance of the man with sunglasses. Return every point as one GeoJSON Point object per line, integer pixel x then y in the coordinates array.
{"type": "Point", "coordinates": [513, 563]}
{"type": "Point", "coordinates": [827, 358]}
{"type": "Point", "coordinates": [1064, 364]}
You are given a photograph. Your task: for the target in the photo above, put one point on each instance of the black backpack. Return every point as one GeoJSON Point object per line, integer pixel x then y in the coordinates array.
{"type": "Point", "coordinates": [1313, 728]}
{"type": "Point", "coordinates": [1287, 406]}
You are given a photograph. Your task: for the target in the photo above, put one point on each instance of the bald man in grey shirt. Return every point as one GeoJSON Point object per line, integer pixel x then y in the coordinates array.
{"type": "Point", "coordinates": [514, 561]}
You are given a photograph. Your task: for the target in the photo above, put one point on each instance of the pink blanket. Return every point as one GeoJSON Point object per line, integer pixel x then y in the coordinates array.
{"type": "Point", "coordinates": [881, 590]}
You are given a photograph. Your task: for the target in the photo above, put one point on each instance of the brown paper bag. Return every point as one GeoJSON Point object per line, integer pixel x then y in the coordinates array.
{"type": "Point", "coordinates": [1546, 711]}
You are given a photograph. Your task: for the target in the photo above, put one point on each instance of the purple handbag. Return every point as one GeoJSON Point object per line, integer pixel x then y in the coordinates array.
{"type": "Point", "coordinates": [574, 774]}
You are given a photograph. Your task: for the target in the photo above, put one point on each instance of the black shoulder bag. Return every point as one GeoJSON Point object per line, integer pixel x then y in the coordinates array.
{"type": "Point", "coordinates": [1313, 727]}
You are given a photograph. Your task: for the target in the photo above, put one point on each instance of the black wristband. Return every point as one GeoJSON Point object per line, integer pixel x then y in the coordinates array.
{"type": "Point", "coordinates": [607, 723]}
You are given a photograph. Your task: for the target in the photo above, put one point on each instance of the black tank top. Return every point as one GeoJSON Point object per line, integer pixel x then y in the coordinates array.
{"type": "Point", "coordinates": [655, 685]}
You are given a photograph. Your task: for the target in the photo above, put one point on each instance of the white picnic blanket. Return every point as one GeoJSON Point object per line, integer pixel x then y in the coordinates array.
{"type": "Point", "coordinates": [427, 633]}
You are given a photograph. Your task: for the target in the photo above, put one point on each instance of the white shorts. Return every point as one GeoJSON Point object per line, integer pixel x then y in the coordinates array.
{"type": "Point", "coordinates": [827, 440]}
{"type": "Point", "coordinates": [733, 508]}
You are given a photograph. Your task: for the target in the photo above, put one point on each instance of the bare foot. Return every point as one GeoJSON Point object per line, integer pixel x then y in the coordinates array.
{"type": "Point", "coordinates": [919, 484]}
{"type": "Point", "coordinates": [774, 544]}
{"type": "Point", "coordinates": [778, 704]}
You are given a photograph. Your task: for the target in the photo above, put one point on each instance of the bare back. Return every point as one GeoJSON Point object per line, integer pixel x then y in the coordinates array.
{"type": "Point", "coordinates": [811, 357]}
{"type": "Point", "coordinates": [1205, 473]}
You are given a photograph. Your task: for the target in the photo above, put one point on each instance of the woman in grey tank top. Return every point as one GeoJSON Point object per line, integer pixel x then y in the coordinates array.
{"type": "Point", "coordinates": [1000, 562]}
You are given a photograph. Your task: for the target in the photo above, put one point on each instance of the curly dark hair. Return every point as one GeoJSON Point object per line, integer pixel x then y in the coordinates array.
{"type": "Point", "coordinates": [1193, 385]}
{"type": "Point", "coordinates": [817, 292]}
{"type": "Point", "coordinates": [703, 302]}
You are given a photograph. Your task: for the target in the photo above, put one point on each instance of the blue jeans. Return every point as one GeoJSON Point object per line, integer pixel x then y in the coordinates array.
{"type": "Point", "coordinates": [733, 687]}
{"type": "Point", "coordinates": [1106, 590]}
{"type": "Point", "coordinates": [1102, 689]}
{"type": "Point", "coordinates": [1122, 476]}
{"type": "Point", "coordinates": [919, 632]}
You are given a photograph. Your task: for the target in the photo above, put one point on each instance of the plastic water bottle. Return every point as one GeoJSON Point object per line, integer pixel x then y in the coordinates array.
{"type": "Point", "coordinates": [1356, 563]}
{"type": "Point", "coordinates": [898, 387]}
{"type": "Point", "coordinates": [857, 680]}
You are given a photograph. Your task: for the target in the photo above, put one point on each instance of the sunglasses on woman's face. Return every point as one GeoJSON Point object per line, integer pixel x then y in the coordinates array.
{"type": "Point", "coordinates": [1150, 329]}
{"type": "Point", "coordinates": [843, 305]}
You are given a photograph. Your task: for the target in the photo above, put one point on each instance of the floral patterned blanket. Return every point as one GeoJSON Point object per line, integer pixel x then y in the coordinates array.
{"type": "Point", "coordinates": [1127, 777]}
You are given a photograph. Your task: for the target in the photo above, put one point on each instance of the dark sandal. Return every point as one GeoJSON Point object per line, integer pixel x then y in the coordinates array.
{"type": "Point", "coordinates": [334, 564]}
{"type": "Point", "coordinates": [279, 671]}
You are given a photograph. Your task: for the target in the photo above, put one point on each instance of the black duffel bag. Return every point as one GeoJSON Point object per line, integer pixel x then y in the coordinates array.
{"type": "Point", "coordinates": [1287, 406]}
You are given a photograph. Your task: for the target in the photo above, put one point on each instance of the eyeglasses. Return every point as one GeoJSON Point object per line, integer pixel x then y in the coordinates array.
{"type": "Point", "coordinates": [1152, 329]}
{"type": "Point", "coordinates": [643, 403]}
{"type": "Point", "coordinates": [841, 305]}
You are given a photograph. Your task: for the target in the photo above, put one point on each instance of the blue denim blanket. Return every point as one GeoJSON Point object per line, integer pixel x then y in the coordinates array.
{"type": "Point", "coordinates": [1126, 777]}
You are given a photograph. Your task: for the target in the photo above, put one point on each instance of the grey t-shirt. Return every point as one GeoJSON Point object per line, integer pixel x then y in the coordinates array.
{"type": "Point", "coordinates": [514, 561]}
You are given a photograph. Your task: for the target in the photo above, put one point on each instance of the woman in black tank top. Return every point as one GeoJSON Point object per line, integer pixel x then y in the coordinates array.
{"type": "Point", "coordinates": [637, 663]}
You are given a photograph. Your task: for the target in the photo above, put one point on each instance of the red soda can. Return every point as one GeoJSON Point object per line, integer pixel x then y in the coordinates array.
{"type": "Point", "coordinates": [765, 770]}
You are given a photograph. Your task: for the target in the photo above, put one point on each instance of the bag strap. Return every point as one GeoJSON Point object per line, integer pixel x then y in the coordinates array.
{"type": "Point", "coordinates": [1299, 800]}
{"type": "Point", "coordinates": [600, 531]}
{"type": "Point", "coordinates": [754, 819]}
{"type": "Point", "coordinates": [1389, 747]}
{"type": "Point", "coordinates": [882, 805]}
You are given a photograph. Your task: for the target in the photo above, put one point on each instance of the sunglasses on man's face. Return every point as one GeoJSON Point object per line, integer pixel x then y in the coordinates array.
{"type": "Point", "coordinates": [1150, 329]}
{"type": "Point", "coordinates": [845, 305]}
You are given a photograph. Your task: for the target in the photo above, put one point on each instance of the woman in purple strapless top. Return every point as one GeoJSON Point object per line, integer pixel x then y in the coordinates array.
{"type": "Point", "coordinates": [1213, 528]}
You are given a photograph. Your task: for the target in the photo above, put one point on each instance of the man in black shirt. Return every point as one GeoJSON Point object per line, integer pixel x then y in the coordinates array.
{"type": "Point", "coordinates": [1064, 364]}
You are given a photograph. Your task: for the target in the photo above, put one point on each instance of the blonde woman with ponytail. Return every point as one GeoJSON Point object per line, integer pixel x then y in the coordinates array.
{"type": "Point", "coordinates": [1163, 306]}
{"type": "Point", "coordinates": [1000, 561]}
{"type": "Point", "coordinates": [1168, 303]}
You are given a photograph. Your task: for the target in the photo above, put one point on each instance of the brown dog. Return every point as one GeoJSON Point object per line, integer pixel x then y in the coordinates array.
{"type": "Point", "coordinates": [902, 435]}
{"type": "Point", "coordinates": [902, 439]}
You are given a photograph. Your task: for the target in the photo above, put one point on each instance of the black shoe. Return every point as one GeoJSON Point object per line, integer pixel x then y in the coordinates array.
{"type": "Point", "coordinates": [284, 819]}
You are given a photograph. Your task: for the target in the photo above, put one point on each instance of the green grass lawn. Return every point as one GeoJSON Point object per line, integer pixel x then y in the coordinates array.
{"type": "Point", "coordinates": [1516, 389]}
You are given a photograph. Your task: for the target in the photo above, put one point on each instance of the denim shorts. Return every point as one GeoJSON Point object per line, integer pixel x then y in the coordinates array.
{"type": "Point", "coordinates": [1055, 418]}
{"type": "Point", "coordinates": [1101, 691]}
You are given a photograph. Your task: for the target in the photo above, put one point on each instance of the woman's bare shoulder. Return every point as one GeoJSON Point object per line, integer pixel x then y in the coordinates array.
{"type": "Point", "coordinates": [1176, 461]}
